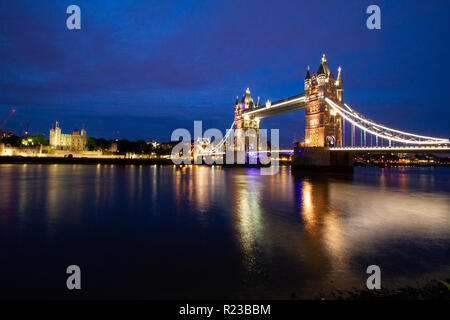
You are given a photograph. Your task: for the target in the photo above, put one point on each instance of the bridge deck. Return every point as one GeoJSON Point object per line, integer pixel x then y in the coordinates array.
{"type": "Point", "coordinates": [278, 107]}
{"type": "Point", "coordinates": [404, 149]}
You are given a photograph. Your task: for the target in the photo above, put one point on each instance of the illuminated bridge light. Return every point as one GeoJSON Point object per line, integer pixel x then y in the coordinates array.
{"type": "Point", "coordinates": [373, 128]}
{"type": "Point", "coordinates": [396, 149]}
{"type": "Point", "coordinates": [276, 105]}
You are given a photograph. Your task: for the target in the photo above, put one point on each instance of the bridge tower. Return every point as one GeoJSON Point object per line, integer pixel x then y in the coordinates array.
{"type": "Point", "coordinates": [323, 126]}
{"type": "Point", "coordinates": [243, 122]}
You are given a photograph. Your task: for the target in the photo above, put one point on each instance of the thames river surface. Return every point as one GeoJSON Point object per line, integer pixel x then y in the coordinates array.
{"type": "Point", "coordinates": [208, 232]}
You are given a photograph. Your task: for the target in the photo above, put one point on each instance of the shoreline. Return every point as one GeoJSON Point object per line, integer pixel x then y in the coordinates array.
{"type": "Point", "coordinates": [63, 160]}
{"type": "Point", "coordinates": [432, 290]}
{"type": "Point", "coordinates": [127, 161]}
{"type": "Point", "coordinates": [110, 161]}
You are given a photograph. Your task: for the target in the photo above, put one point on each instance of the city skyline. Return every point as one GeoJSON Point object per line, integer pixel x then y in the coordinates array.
{"type": "Point", "coordinates": [137, 70]}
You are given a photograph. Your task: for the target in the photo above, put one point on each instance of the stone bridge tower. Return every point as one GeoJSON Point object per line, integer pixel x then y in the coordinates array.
{"type": "Point", "coordinates": [244, 122]}
{"type": "Point", "coordinates": [323, 126]}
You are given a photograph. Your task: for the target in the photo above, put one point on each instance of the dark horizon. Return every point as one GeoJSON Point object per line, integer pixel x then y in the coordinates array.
{"type": "Point", "coordinates": [140, 69]}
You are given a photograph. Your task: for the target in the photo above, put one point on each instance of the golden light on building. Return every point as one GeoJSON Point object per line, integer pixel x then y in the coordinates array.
{"type": "Point", "coordinates": [75, 141]}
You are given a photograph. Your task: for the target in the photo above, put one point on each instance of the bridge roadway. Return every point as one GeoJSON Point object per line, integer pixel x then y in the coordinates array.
{"type": "Point", "coordinates": [400, 149]}
{"type": "Point", "coordinates": [403, 149]}
{"type": "Point", "coordinates": [278, 107]}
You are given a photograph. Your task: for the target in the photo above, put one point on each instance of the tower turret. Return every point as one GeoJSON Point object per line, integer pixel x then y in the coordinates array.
{"type": "Point", "coordinates": [307, 77]}
{"type": "Point", "coordinates": [307, 84]}
{"type": "Point", "coordinates": [339, 78]}
{"type": "Point", "coordinates": [322, 72]}
{"type": "Point", "coordinates": [247, 100]}
{"type": "Point", "coordinates": [338, 84]}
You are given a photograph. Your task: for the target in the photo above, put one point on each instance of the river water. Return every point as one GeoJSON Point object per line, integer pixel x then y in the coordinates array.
{"type": "Point", "coordinates": [208, 232]}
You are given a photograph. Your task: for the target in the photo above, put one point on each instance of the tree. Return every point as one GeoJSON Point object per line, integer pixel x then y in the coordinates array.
{"type": "Point", "coordinates": [94, 144]}
{"type": "Point", "coordinates": [141, 147]}
{"type": "Point", "coordinates": [103, 144]}
{"type": "Point", "coordinates": [124, 146]}
{"type": "Point", "coordinates": [91, 144]}
{"type": "Point", "coordinates": [13, 141]}
{"type": "Point", "coordinates": [39, 139]}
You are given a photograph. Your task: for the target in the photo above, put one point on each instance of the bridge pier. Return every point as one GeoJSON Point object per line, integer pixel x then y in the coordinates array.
{"type": "Point", "coordinates": [320, 159]}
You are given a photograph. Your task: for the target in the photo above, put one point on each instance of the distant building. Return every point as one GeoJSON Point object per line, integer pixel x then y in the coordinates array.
{"type": "Point", "coordinates": [168, 146]}
{"type": "Point", "coordinates": [153, 143]}
{"type": "Point", "coordinates": [113, 147]}
{"type": "Point", "coordinates": [75, 141]}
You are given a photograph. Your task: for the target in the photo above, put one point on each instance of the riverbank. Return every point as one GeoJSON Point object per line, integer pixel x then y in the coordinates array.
{"type": "Point", "coordinates": [433, 290]}
{"type": "Point", "coordinates": [106, 161]}
{"type": "Point", "coordinates": [68, 160]}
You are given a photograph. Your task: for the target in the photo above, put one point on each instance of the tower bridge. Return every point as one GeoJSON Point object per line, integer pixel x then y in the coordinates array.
{"type": "Point", "coordinates": [326, 117]}
{"type": "Point", "coordinates": [323, 124]}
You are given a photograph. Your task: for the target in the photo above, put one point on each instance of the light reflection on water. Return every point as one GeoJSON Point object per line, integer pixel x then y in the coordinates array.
{"type": "Point", "coordinates": [206, 232]}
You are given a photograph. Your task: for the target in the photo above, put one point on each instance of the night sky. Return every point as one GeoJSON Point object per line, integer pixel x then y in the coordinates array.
{"type": "Point", "coordinates": [140, 69]}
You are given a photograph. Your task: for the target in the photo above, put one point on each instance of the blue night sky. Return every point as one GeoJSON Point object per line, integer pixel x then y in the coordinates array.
{"type": "Point", "coordinates": [140, 69]}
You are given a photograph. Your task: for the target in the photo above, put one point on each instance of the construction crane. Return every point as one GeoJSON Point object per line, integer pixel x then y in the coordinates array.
{"type": "Point", "coordinates": [6, 120]}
